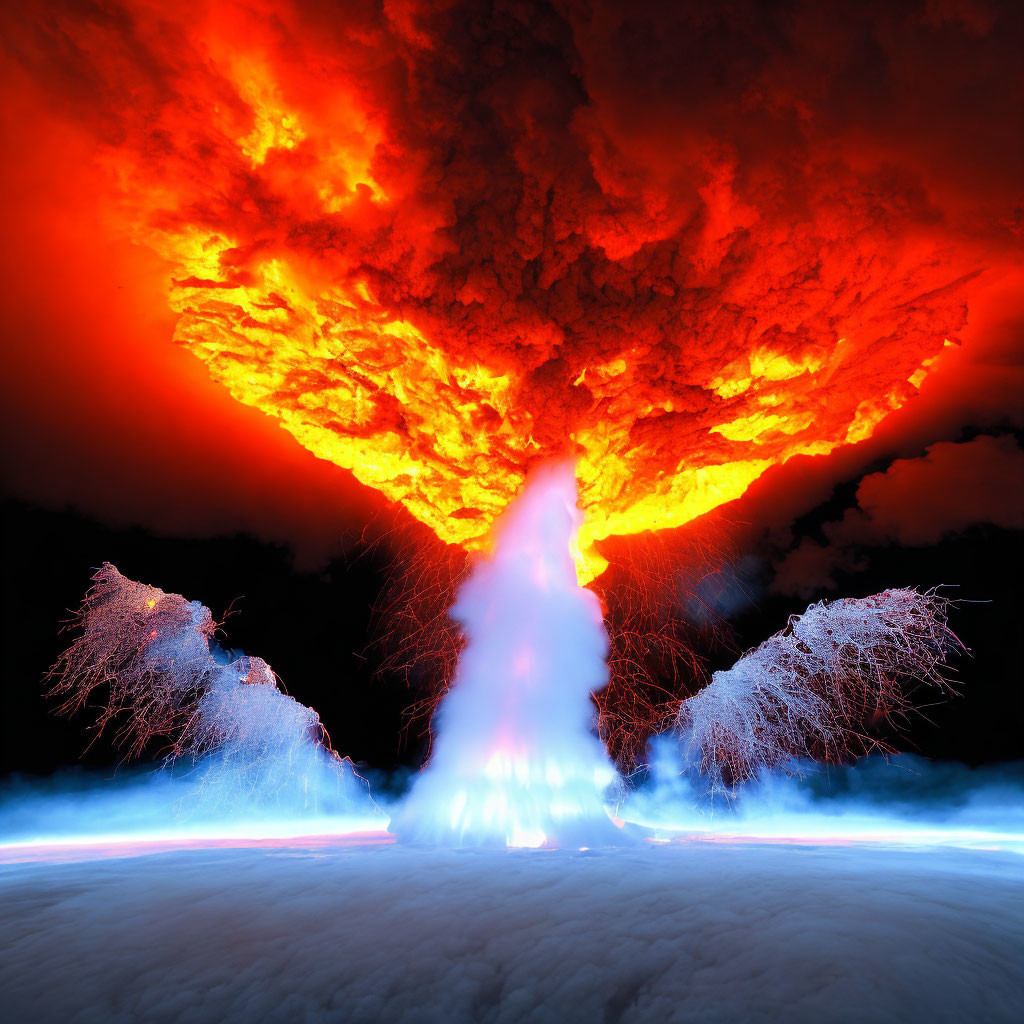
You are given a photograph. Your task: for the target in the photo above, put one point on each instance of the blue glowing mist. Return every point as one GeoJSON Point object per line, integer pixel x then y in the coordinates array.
{"type": "Point", "coordinates": [239, 749]}
{"type": "Point", "coordinates": [901, 800]}
{"type": "Point", "coordinates": [516, 760]}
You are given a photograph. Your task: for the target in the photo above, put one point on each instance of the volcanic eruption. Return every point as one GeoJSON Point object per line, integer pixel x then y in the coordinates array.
{"type": "Point", "coordinates": [526, 357]}
{"type": "Point", "coordinates": [436, 253]}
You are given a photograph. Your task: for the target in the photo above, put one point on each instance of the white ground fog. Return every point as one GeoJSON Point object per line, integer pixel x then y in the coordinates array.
{"type": "Point", "coordinates": [687, 931]}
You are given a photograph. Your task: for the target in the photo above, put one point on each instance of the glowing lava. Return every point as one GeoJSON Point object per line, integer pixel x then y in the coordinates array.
{"type": "Point", "coordinates": [515, 759]}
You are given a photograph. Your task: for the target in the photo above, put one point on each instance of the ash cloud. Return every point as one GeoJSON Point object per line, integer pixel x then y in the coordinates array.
{"type": "Point", "coordinates": [573, 185]}
{"type": "Point", "coordinates": [917, 503]}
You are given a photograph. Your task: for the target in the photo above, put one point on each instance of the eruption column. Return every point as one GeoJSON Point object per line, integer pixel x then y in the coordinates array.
{"type": "Point", "coordinates": [515, 759]}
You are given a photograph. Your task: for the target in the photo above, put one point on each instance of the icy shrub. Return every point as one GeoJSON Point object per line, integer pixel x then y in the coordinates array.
{"type": "Point", "coordinates": [814, 689]}
{"type": "Point", "coordinates": [152, 659]}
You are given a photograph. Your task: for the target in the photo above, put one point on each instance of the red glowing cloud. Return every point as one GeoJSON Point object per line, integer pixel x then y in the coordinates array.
{"type": "Point", "coordinates": [437, 242]}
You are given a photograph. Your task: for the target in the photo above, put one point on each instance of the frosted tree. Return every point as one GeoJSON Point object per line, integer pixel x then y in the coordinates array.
{"type": "Point", "coordinates": [813, 690]}
{"type": "Point", "coordinates": [152, 660]}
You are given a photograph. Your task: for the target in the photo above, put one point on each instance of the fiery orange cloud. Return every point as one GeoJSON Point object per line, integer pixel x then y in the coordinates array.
{"type": "Point", "coordinates": [437, 243]}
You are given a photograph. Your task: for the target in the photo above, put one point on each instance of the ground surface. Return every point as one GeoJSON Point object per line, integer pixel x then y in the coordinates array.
{"type": "Point", "coordinates": [684, 931]}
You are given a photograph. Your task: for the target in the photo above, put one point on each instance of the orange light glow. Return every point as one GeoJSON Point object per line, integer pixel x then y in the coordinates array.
{"type": "Point", "coordinates": [451, 438]}
{"type": "Point", "coordinates": [343, 259]}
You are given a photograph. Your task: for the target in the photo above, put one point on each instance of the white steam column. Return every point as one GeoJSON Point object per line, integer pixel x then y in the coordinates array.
{"type": "Point", "coordinates": [515, 760]}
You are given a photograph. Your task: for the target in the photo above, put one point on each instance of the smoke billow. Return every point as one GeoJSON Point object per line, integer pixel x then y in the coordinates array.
{"type": "Point", "coordinates": [682, 243]}
{"type": "Point", "coordinates": [515, 758]}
